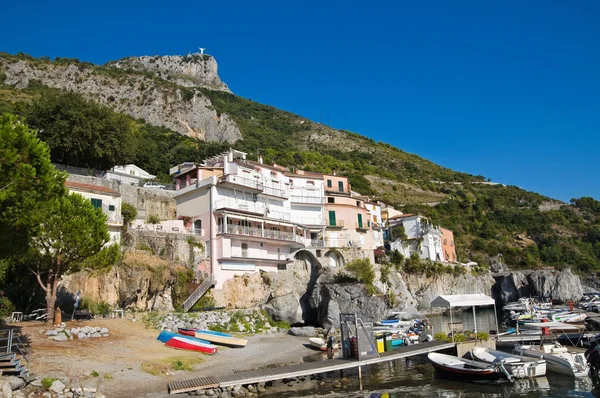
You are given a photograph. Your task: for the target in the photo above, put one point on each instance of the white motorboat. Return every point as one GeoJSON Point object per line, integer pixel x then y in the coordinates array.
{"type": "Point", "coordinates": [558, 358]}
{"type": "Point", "coordinates": [523, 304]}
{"type": "Point", "coordinates": [518, 366]}
{"type": "Point", "coordinates": [569, 317]}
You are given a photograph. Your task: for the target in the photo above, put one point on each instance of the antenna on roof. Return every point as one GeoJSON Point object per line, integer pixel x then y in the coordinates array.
{"type": "Point", "coordinates": [201, 50]}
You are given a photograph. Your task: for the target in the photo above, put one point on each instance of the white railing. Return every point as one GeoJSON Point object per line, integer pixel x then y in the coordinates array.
{"type": "Point", "coordinates": [246, 182]}
{"type": "Point", "coordinates": [316, 200]}
{"type": "Point", "coordinates": [239, 204]}
{"type": "Point", "coordinates": [315, 243]}
{"type": "Point", "coordinates": [267, 190]}
{"type": "Point", "coordinates": [253, 231]}
{"type": "Point", "coordinates": [308, 220]}
{"type": "Point", "coordinates": [197, 231]}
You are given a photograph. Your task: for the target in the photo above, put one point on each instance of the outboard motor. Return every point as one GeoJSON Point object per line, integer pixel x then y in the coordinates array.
{"type": "Point", "coordinates": [499, 363]}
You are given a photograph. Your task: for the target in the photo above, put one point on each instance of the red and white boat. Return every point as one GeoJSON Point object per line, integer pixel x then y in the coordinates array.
{"type": "Point", "coordinates": [183, 343]}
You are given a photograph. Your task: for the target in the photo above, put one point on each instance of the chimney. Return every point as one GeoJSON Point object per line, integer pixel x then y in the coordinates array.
{"type": "Point", "coordinates": [260, 159]}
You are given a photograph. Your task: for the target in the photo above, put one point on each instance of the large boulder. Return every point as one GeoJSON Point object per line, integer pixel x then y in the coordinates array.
{"type": "Point", "coordinates": [15, 382]}
{"type": "Point", "coordinates": [514, 286]}
{"type": "Point", "coordinates": [559, 286]}
{"type": "Point", "coordinates": [288, 294]}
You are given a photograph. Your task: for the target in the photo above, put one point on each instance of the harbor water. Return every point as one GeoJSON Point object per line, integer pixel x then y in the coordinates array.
{"type": "Point", "coordinates": [415, 377]}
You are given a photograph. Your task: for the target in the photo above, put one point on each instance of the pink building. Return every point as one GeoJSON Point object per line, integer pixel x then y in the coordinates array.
{"type": "Point", "coordinates": [448, 247]}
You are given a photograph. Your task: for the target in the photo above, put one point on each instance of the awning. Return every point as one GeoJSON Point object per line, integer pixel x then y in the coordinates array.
{"type": "Point", "coordinates": [462, 300]}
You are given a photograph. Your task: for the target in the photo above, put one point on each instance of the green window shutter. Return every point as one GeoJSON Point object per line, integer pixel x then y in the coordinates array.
{"type": "Point", "coordinates": [360, 221]}
{"type": "Point", "coordinates": [329, 184]}
{"type": "Point", "coordinates": [332, 218]}
{"type": "Point", "coordinates": [111, 207]}
{"type": "Point", "coordinates": [97, 203]}
{"type": "Point", "coordinates": [341, 186]}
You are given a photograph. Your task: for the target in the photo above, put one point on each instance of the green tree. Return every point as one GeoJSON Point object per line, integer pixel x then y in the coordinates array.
{"type": "Point", "coordinates": [80, 132]}
{"type": "Point", "coordinates": [29, 184]}
{"type": "Point", "coordinates": [69, 237]}
{"type": "Point", "coordinates": [129, 213]}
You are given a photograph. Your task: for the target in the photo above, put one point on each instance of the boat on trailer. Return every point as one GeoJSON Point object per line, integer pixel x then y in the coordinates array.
{"type": "Point", "coordinates": [466, 369]}
{"type": "Point", "coordinates": [518, 366]}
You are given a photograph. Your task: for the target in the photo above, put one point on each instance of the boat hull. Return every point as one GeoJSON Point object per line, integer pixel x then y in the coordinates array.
{"type": "Point", "coordinates": [165, 336]}
{"type": "Point", "coordinates": [517, 366]}
{"type": "Point", "coordinates": [187, 332]}
{"type": "Point", "coordinates": [556, 363]}
{"type": "Point", "coordinates": [318, 344]}
{"type": "Point", "coordinates": [221, 338]}
{"type": "Point", "coordinates": [458, 368]}
{"type": "Point", "coordinates": [190, 345]}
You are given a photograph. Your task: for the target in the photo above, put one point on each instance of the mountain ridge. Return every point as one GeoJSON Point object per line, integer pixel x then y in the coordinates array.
{"type": "Point", "coordinates": [487, 219]}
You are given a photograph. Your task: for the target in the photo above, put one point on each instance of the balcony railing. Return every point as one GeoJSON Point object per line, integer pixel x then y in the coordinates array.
{"type": "Point", "coordinates": [308, 220]}
{"type": "Point", "coordinates": [246, 182]}
{"type": "Point", "coordinates": [245, 205]}
{"type": "Point", "coordinates": [361, 225]}
{"type": "Point", "coordinates": [315, 243]}
{"type": "Point", "coordinates": [280, 193]}
{"type": "Point", "coordinates": [257, 232]}
{"type": "Point", "coordinates": [334, 223]}
{"type": "Point", "coordinates": [114, 219]}
{"type": "Point", "coordinates": [316, 200]}
{"type": "Point", "coordinates": [197, 231]}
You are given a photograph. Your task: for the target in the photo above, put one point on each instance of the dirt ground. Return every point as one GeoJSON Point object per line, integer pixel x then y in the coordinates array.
{"type": "Point", "coordinates": [114, 364]}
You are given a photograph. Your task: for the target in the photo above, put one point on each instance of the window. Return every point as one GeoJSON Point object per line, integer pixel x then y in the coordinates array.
{"type": "Point", "coordinates": [97, 203]}
{"type": "Point", "coordinates": [244, 250]}
{"type": "Point", "coordinates": [310, 183]}
{"type": "Point", "coordinates": [445, 241]}
{"type": "Point", "coordinates": [360, 224]}
{"type": "Point", "coordinates": [329, 184]}
{"type": "Point", "coordinates": [358, 203]}
{"type": "Point", "coordinates": [111, 207]}
{"type": "Point", "coordinates": [341, 186]}
{"type": "Point", "coordinates": [291, 182]}
{"type": "Point", "coordinates": [375, 219]}
{"type": "Point", "coordinates": [330, 200]}
{"type": "Point", "coordinates": [332, 218]}
{"type": "Point", "coordinates": [278, 253]}
{"type": "Point", "coordinates": [132, 172]}
{"type": "Point", "coordinates": [281, 267]}
{"type": "Point", "coordinates": [273, 174]}
{"type": "Point", "coordinates": [245, 223]}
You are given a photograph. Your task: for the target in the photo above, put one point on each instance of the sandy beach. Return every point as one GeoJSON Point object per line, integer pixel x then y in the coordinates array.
{"type": "Point", "coordinates": [118, 365]}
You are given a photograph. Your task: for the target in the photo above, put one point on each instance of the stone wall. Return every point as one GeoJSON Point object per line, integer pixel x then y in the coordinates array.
{"type": "Point", "coordinates": [147, 201]}
{"type": "Point", "coordinates": [167, 245]}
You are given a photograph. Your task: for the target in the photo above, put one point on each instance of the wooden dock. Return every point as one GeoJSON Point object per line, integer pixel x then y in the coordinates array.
{"type": "Point", "coordinates": [303, 369]}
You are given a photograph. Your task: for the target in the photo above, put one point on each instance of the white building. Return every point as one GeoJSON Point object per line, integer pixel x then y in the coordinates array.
{"type": "Point", "coordinates": [102, 198]}
{"type": "Point", "coordinates": [422, 237]}
{"type": "Point", "coordinates": [246, 215]}
{"type": "Point", "coordinates": [129, 174]}
{"type": "Point", "coordinates": [374, 210]}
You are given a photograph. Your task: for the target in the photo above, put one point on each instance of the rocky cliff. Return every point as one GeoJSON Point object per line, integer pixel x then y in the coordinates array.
{"type": "Point", "coordinates": [138, 91]}
{"type": "Point", "coordinates": [560, 286]}
{"type": "Point", "coordinates": [192, 70]}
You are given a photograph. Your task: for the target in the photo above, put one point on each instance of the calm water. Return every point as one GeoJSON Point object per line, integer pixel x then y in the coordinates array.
{"type": "Point", "coordinates": [415, 377]}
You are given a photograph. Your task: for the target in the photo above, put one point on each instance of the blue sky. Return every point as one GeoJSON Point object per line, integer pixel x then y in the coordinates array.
{"type": "Point", "coordinates": [506, 89]}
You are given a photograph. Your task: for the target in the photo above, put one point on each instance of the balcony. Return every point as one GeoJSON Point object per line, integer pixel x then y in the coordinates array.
{"type": "Point", "coordinates": [114, 220]}
{"type": "Point", "coordinates": [308, 220]}
{"type": "Point", "coordinates": [197, 231]}
{"type": "Point", "coordinates": [241, 181]}
{"type": "Point", "coordinates": [243, 205]}
{"type": "Point", "coordinates": [309, 200]}
{"type": "Point", "coordinates": [315, 243]}
{"type": "Point", "coordinates": [272, 191]}
{"type": "Point", "coordinates": [256, 232]}
{"type": "Point", "coordinates": [361, 226]}
{"type": "Point", "coordinates": [334, 223]}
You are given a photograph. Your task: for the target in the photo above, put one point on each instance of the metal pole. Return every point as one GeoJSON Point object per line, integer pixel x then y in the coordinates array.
{"type": "Point", "coordinates": [474, 321]}
{"type": "Point", "coordinates": [9, 343]}
{"type": "Point", "coordinates": [451, 324]}
{"type": "Point", "coordinates": [360, 378]}
{"type": "Point", "coordinates": [496, 317]}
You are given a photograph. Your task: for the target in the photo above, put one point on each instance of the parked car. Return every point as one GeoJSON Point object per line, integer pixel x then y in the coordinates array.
{"type": "Point", "coordinates": [154, 185]}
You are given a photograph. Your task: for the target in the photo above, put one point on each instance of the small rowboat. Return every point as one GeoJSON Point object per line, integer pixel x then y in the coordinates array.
{"type": "Point", "coordinates": [221, 338]}
{"type": "Point", "coordinates": [187, 332]}
{"type": "Point", "coordinates": [183, 343]}
{"type": "Point", "coordinates": [519, 367]}
{"type": "Point", "coordinates": [463, 369]}
{"type": "Point", "coordinates": [165, 336]}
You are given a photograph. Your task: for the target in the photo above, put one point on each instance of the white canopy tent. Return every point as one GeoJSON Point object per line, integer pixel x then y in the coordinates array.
{"type": "Point", "coordinates": [465, 300]}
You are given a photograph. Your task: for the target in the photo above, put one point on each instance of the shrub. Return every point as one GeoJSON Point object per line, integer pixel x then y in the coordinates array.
{"type": "Point", "coordinates": [47, 382]}
{"type": "Point", "coordinates": [153, 219]}
{"type": "Point", "coordinates": [362, 270]}
{"type": "Point", "coordinates": [6, 307]}
{"type": "Point", "coordinates": [129, 213]}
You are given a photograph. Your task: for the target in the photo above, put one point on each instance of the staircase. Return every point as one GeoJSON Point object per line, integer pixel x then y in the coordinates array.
{"type": "Point", "coordinates": [14, 348]}
{"type": "Point", "coordinates": [198, 293]}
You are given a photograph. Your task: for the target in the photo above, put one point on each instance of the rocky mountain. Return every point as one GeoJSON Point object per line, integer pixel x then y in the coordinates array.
{"type": "Point", "coordinates": [161, 90]}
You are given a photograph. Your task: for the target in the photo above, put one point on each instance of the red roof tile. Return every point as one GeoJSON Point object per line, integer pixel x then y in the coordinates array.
{"type": "Point", "coordinates": [90, 187]}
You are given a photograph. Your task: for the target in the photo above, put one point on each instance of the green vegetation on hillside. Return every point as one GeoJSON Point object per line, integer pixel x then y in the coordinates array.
{"type": "Point", "coordinates": [488, 220]}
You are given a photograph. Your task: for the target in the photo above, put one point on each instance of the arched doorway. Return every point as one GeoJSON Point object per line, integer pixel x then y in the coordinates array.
{"type": "Point", "coordinates": [334, 258]}
{"type": "Point", "coordinates": [309, 314]}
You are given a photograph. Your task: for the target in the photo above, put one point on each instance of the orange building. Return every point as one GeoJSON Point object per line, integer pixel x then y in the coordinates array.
{"type": "Point", "coordinates": [448, 247]}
